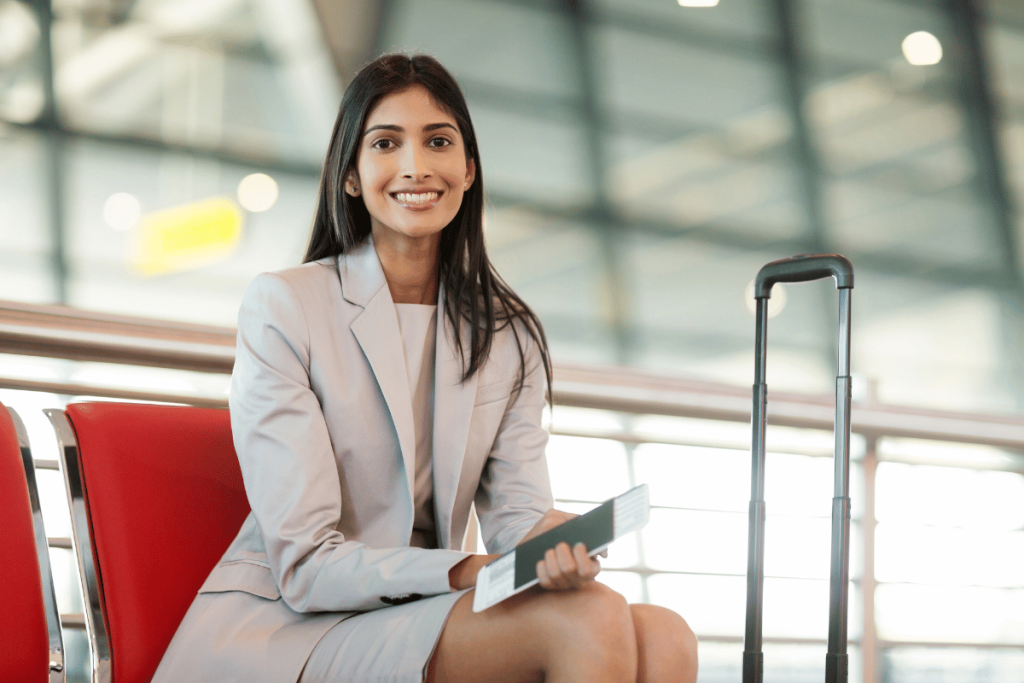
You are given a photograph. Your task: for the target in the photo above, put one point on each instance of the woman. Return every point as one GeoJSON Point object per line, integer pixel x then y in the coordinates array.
{"type": "Point", "coordinates": [379, 390]}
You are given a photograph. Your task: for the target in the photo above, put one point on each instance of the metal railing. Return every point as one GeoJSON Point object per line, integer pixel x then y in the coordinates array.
{"type": "Point", "coordinates": [71, 334]}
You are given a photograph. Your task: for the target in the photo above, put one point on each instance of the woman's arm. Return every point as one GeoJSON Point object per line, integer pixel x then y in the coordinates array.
{"type": "Point", "coordinates": [291, 474]}
{"type": "Point", "coordinates": [515, 488]}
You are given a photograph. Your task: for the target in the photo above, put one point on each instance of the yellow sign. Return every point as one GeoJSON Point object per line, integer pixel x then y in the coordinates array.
{"type": "Point", "coordinates": [186, 236]}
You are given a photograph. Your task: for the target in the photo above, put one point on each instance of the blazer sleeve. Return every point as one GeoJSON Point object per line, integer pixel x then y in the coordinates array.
{"type": "Point", "coordinates": [515, 487]}
{"type": "Point", "coordinates": [291, 476]}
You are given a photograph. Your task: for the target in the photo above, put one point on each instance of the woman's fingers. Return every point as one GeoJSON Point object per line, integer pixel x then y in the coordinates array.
{"type": "Point", "coordinates": [588, 567]}
{"type": "Point", "coordinates": [567, 565]}
{"type": "Point", "coordinates": [566, 569]}
{"type": "Point", "coordinates": [545, 578]}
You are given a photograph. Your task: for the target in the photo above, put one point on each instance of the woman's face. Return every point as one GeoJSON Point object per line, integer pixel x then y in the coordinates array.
{"type": "Point", "coordinates": [412, 167]}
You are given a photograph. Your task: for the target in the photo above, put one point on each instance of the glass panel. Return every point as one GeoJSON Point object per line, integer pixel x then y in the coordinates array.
{"type": "Point", "coordinates": [21, 63]}
{"type": "Point", "coordinates": [53, 501]}
{"type": "Point", "coordinates": [30, 406]}
{"type": "Point", "coordinates": [1005, 43]}
{"type": "Point", "coordinates": [689, 309]}
{"type": "Point", "coordinates": [587, 469]}
{"type": "Point", "coordinates": [950, 613]}
{"type": "Point", "coordinates": [926, 554]}
{"type": "Point", "coordinates": [712, 605]}
{"type": "Point", "coordinates": [947, 496]}
{"type": "Point", "coordinates": [695, 541]}
{"type": "Point", "coordinates": [501, 44]}
{"type": "Point", "coordinates": [722, 662]}
{"type": "Point", "coordinates": [797, 608]}
{"type": "Point", "coordinates": [627, 584]}
{"type": "Point", "coordinates": [76, 656]}
{"type": "Point", "coordinates": [251, 76]}
{"type": "Point", "coordinates": [65, 581]}
{"type": "Point", "coordinates": [530, 158]}
{"type": "Point", "coordinates": [718, 87]}
{"type": "Point", "coordinates": [557, 269]}
{"type": "Point", "coordinates": [893, 141]}
{"type": "Point", "coordinates": [711, 151]}
{"type": "Point", "coordinates": [716, 605]}
{"type": "Point", "coordinates": [903, 330]}
{"type": "Point", "coordinates": [949, 665]}
{"type": "Point", "coordinates": [105, 266]}
{"type": "Point", "coordinates": [690, 477]}
{"type": "Point", "coordinates": [26, 268]}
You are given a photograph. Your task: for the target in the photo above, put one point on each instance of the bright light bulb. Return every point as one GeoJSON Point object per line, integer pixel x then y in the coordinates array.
{"type": "Point", "coordinates": [121, 211]}
{"type": "Point", "coordinates": [775, 304]}
{"type": "Point", "coordinates": [698, 3]}
{"type": "Point", "coordinates": [257, 192]}
{"type": "Point", "coordinates": [922, 49]}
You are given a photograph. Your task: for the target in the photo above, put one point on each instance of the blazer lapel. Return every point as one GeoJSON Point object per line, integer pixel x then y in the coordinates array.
{"type": "Point", "coordinates": [376, 330]}
{"type": "Point", "coordinates": [453, 412]}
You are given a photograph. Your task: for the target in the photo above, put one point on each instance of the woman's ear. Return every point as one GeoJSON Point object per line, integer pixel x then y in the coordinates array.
{"type": "Point", "coordinates": [352, 185]}
{"type": "Point", "coordinates": [470, 174]}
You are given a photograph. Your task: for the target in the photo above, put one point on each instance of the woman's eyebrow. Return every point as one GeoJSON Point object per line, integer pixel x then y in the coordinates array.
{"type": "Point", "coordinates": [398, 129]}
{"type": "Point", "coordinates": [384, 126]}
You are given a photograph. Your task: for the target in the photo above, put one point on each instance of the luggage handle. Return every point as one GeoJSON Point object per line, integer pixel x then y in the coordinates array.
{"type": "Point", "coordinates": [803, 268]}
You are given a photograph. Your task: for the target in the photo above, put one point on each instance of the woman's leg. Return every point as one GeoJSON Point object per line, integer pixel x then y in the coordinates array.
{"type": "Point", "coordinates": [565, 636]}
{"type": "Point", "coordinates": [666, 647]}
{"type": "Point", "coordinates": [584, 635]}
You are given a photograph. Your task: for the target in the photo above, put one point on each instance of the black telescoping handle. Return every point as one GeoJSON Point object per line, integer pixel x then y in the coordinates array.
{"type": "Point", "coordinates": [803, 268]}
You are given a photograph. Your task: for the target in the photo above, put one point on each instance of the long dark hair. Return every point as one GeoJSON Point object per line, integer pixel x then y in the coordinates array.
{"type": "Point", "coordinates": [474, 292]}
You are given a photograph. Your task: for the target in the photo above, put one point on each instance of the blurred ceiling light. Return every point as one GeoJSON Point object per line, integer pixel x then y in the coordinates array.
{"type": "Point", "coordinates": [121, 211]}
{"type": "Point", "coordinates": [776, 303]}
{"type": "Point", "coordinates": [698, 3]}
{"type": "Point", "coordinates": [257, 192]}
{"type": "Point", "coordinates": [922, 49]}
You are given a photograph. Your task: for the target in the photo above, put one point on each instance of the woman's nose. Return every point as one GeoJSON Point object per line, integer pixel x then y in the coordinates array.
{"type": "Point", "coordinates": [415, 164]}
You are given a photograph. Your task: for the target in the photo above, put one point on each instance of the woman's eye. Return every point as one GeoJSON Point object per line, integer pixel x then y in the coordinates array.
{"type": "Point", "coordinates": [383, 143]}
{"type": "Point", "coordinates": [439, 142]}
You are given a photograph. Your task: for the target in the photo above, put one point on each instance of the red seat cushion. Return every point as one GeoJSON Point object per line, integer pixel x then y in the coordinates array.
{"type": "Point", "coordinates": [165, 499]}
{"type": "Point", "coordinates": [24, 641]}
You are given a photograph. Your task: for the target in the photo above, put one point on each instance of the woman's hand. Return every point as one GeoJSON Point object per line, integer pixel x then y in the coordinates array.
{"type": "Point", "coordinates": [563, 568]}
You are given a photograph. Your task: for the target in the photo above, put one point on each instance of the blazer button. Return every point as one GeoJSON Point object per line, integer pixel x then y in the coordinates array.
{"type": "Point", "coordinates": [400, 599]}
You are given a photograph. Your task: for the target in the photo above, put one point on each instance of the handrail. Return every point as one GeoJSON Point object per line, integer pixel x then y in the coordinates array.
{"type": "Point", "coordinates": [74, 334]}
{"type": "Point", "coordinates": [63, 332]}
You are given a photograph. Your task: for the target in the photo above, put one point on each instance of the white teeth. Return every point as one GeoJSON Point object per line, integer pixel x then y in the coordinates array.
{"type": "Point", "coordinates": [416, 197]}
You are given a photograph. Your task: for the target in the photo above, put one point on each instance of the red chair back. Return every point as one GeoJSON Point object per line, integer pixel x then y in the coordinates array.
{"type": "Point", "coordinates": [24, 636]}
{"type": "Point", "coordinates": [164, 498]}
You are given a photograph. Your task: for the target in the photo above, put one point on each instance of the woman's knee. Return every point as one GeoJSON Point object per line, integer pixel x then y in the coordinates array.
{"type": "Point", "coordinates": [595, 622]}
{"type": "Point", "coordinates": [667, 646]}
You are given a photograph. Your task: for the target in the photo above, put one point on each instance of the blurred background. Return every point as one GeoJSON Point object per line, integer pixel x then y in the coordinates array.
{"type": "Point", "coordinates": [642, 159]}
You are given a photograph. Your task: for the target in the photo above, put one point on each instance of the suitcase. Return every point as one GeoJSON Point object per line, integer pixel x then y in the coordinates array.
{"type": "Point", "coordinates": [802, 268]}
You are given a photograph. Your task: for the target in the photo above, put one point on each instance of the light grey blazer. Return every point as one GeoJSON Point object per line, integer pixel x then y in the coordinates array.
{"type": "Point", "coordinates": [322, 422]}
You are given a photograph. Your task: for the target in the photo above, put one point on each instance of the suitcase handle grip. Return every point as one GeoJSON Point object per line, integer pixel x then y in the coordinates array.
{"type": "Point", "coordinates": [803, 268]}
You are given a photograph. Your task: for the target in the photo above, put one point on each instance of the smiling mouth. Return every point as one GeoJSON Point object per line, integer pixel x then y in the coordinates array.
{"type": "Point", "coordinates": [416, 200]}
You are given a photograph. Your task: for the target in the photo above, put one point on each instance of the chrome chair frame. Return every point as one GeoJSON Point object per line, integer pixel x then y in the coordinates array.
{"type": "Point", "coordinates": [81, 542]}
{"type": "Point", "coordinates": [57, 672]}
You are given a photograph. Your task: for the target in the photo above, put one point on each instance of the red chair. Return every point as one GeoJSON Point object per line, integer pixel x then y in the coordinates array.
{"type": "Point", "coordinates": [156, 497]}
{"type": "Point", "coordinates": [31, 648]}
